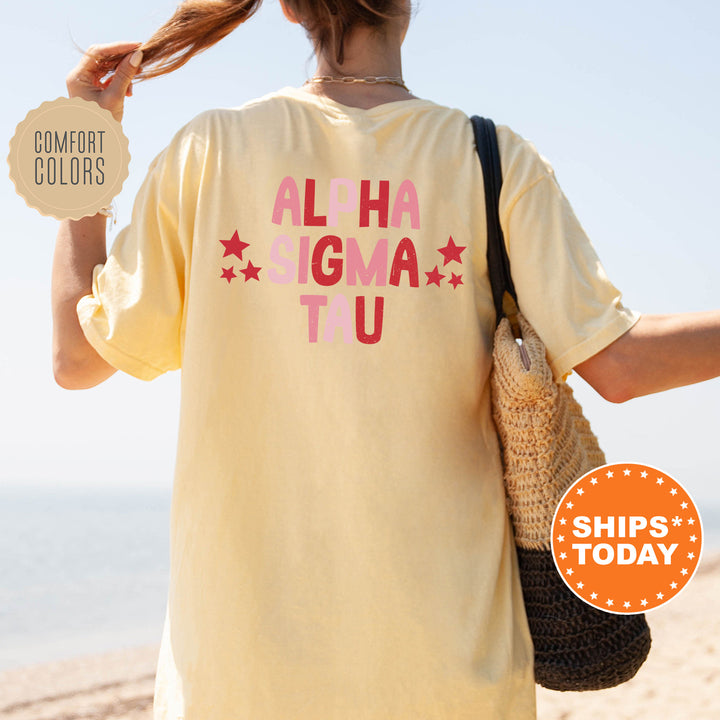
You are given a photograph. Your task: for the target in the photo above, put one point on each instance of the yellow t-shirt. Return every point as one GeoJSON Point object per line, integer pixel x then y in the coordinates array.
{"type": "Point", "coordinates": [340, 548]}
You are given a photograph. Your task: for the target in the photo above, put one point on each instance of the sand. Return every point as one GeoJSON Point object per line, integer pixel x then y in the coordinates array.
{"type": "Point", "coordinates": [679, 681]}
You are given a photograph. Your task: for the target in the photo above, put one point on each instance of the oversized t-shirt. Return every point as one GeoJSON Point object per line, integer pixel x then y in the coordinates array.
{"type": "Point", "coordinates": [340, 548]}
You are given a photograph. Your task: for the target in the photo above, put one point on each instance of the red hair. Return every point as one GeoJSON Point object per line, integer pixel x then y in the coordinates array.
{"type": "Point", "coordinates": [198, 24]}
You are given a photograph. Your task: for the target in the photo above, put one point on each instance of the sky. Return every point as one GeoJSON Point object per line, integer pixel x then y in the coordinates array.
{"type": "Point", "coordinates": [622, 98]}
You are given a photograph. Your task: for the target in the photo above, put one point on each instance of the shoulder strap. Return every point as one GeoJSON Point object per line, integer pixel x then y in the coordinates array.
{"type": "Point", "coordinates": [497, 258]}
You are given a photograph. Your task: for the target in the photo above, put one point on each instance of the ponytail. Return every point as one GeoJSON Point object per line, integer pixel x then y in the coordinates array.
{"type": "Point", "coordinates": [198, 24]}
{"type": "Point", "coordinates": [195, 26]}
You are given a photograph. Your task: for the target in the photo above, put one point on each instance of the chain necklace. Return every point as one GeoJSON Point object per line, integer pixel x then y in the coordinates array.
{"type": "Point", "coordinates": [349, 79]}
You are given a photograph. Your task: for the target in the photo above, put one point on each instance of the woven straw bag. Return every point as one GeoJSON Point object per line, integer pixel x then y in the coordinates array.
{"type": "Point", "coordinates": [547, 444]}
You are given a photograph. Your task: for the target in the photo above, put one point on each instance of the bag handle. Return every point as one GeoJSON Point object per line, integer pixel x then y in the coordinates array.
{"type": "Point", "coordinates": [503, 289]}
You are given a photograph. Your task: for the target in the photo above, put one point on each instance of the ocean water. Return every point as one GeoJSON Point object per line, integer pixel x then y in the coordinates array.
{"type": "Point", "coordinates": [82, 570]}
{"type": "Point", "coordinates": [85, 570]}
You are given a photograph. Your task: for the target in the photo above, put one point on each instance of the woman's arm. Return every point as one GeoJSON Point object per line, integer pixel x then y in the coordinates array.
{"type": "Point", "coordinates": [658, 353]}
{"type": "Point", "coordinates": [80, 244]}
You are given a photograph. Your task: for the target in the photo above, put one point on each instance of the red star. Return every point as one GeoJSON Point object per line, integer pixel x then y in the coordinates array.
{"type": "Point", "coordinates": [451, 252]}
{"type": "Point", "coordinates": [234, 246]}
{"type": "Point", "coordinates": [456, 280]}
{"type": "Point", "coordinates": [434, 277]}
{"type": "Point", "coordinates": [228, 274]}
{"type": "Point", "coordinates": [251, 272]}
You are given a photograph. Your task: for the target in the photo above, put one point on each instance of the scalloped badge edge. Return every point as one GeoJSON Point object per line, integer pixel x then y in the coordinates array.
{"type": "Point", "coordinates": [46, 208]}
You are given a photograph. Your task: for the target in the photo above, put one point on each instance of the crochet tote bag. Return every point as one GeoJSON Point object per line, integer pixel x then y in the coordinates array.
{"type": "Point", "coordinates": [547, 444]}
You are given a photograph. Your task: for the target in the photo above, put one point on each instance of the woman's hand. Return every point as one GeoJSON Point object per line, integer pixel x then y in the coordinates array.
{"type": "Point", "coordinates": [104, 81]}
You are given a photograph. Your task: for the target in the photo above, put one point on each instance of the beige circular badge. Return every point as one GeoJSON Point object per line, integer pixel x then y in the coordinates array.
{"type": "Point", "coordinates": [69, 158]}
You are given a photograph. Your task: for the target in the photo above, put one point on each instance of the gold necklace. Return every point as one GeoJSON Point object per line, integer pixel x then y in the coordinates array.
{"type": "Point", "coordinates": [349, 79]}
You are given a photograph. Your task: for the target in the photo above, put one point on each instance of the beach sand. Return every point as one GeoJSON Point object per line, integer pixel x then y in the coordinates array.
{"type": "Point", "coordinates": [680, 680]}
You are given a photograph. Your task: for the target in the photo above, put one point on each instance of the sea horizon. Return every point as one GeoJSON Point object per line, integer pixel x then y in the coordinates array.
{"type": "Point", "coordinates": [84, 569]}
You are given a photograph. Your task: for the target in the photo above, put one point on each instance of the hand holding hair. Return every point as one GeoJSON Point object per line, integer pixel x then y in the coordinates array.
{"type": "Point", "coordinates": [101, 77]}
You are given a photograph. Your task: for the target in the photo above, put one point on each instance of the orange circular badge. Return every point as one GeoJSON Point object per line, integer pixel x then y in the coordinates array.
{"type": "Point", "coordinates": [626, 538]}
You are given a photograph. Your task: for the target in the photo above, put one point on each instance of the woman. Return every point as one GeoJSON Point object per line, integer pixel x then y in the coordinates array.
{"type": "Point", "coordinates": [314, 261]}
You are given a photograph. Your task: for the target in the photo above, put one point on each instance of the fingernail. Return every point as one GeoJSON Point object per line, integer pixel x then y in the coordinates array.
{"type": "Point", "coordinates": [136, 58]}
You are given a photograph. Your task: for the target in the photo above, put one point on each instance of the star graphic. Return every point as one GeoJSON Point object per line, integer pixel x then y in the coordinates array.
{"type": "Point", "coordinates": [451, 252]}
{"type": "Point", "coordinates": [563, 521]}
{"type": "Point", "coordinates": [673, 585]}
{"type": "Point", "coordinates": [660, 481]}
{"type": "Point", "coordinates": [691, 521]}
{"type": "Point", "coordinates": [659, 596]}
{"type": "Point", "coordinates": [580, 491]}
{"type": "Point", "coordinates": [643, 474]}
{"type": "Point", "coordinates": [683, 506]}
{"type": "Point", "coordinates": [251, 272]}
{"type": "Point", "coordinates": [561, 538]}
{"type": "Point", "coordinates": [569, 571]}
{"type": "Point", "coordinates": [228, 274]}
{"type": "Point", "coordinates": [569, 505]}
{"type": "Point", "coordinates": [693, 538]}
{"type": "Point", "coordinates": [626, 473]}
{"type": "Point", "coordinates": [673, 491]}
{"type": "Point", "coordinates": [609, 602]}
{"type": "Point", "coordinates": [609, 473]}
{"type": "Point", "coordinates": [455, 280]}
{"type": "Point", "coordinates": [684, 571]}
{"type": "Point", "coordinates": [643, 602]}
{"type": "Point", "coordinates": [691, 556]}
{"type": "Point", "coordinates": [563, 556]}
{"type": "Point", "coordinates": [580, 585]}
{"type": "Point", "coordinates": [593, 481]}
{"type": "Point", "coordinates": [234, 246]}
{"type": "Point", "coordinates": [434, 276]}
{"type": "Point", "coordinates": [593, 596]}
{"type": "Point", "coordinates": [626, 604]}
{"type": "Point", "coordinates": [676, 521]}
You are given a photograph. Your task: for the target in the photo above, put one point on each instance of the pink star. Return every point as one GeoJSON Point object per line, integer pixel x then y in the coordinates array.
{"type": "Point", "coordinates": [434, 276]}
{"type": "Point", "coordinates": [228, 274]}
{"type": "Point", "coordinates": [234, 246]}
{"type": "Point", "coordinates": [451, 252]}
{"type": "Point", "coordinates": [456, 280]}
{"type": "Point", "coordinates": [251, 272]}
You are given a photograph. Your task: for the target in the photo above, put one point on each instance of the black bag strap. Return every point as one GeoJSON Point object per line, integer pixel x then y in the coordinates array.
{"type": "Point", "coordinates": [497, 257]}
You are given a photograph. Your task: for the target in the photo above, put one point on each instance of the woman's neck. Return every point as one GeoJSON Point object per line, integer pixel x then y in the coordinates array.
{"type": "Point", "coordinates": [367, 54]}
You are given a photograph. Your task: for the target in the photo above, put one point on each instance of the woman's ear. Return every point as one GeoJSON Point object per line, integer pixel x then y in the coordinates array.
{"type": "Point", "coordinates": [288, 13]}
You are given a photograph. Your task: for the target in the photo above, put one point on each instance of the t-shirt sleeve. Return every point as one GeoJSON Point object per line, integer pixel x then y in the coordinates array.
{"type": "Point", "coordinates": [134, 315]}
{"type": "Point", "coordinates": [562, 287]}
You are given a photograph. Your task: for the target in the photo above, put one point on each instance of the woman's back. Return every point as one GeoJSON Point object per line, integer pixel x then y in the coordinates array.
{"type": "Point", "coordinates": [340, 545]}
